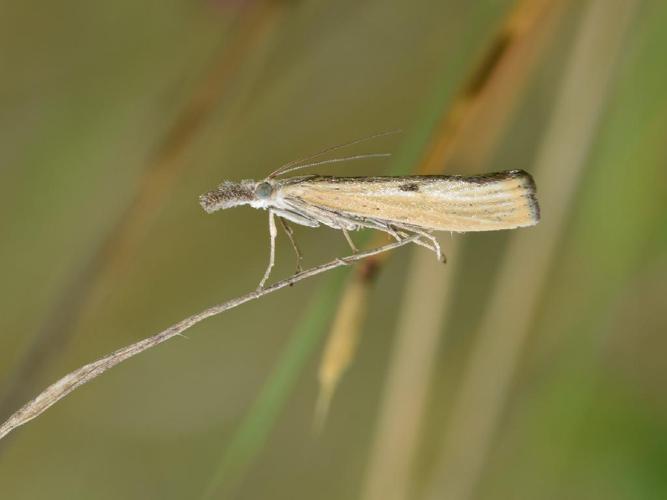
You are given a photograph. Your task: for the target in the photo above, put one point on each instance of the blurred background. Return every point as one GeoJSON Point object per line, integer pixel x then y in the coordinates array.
{"type": "Point", "coordinates": [531, 365]}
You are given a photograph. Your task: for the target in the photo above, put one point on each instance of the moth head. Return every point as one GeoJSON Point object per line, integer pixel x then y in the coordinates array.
{"type": "Point", "coordinates": [232, 194]}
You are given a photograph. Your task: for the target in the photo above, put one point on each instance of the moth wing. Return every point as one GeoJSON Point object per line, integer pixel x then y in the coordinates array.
{"type": "Point", "coordinates": [504, 200]}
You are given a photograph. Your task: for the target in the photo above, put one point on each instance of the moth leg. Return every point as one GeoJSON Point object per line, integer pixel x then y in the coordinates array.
{"type": "Point", "coordinates": [273, 232]}
{"type": "Point", "coordinates": [438, 251]}
{"type": "Point", "coordinates": [435, 247]}
{"type": "Point", "coordinates": [401, 235]}
{"type": "Point", "coordinates": [290, 235]}
{"type": "Point", "coordinates": [426, 245]}
{"type": "Point", "coordinates": [393, 233]}
{"type": "Point", "coordinates": [349, 240]}
{"type": "Point", "coordinates": [421, 243]}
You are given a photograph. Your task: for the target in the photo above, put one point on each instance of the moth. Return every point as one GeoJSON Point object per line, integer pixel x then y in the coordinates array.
{"type": "Point", "coordinates": [402, 206]}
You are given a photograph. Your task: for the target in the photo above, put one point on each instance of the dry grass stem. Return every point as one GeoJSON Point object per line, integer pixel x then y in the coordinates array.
{"type": "Point", "coordinates": [503, 66]}
{"type": "Point", "coordinates": [158, 180]}
{"type": "Point", "coordinates": [498, 77]}
{"type": "Point", "coordinates": [401, 408]}
{"type": "Point", "coordinates": [506, 323]}
{"type": "Point", "coordinates": [340, 347]}
{"type": "Point", "coordinates": [71, 381]}
{"type": "Point", "coordinates": [473, 124]}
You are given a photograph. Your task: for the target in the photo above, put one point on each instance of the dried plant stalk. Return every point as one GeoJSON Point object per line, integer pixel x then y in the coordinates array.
{"type": "Point", "coordinates": [466, 136]}
{"type": "Point", "coordinates": [506, 323]}
{"type": "Point", "coordinates": [340, 347]}
{"type": "Point", "coordinates": [498, 77]}
{"type": "Point", "coordinates": [71, 381]}
{"type": "Point", "coordinates": [406, 386]}
{"type": "Point", "coordinates": [157, 181]}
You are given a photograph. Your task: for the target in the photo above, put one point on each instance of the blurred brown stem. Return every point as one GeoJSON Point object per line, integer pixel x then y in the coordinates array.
{"type": "Point", "coordinates": [510, 38]}
{"type": "Point", "coordinates": [505, 325]}
{"type": "Point", "coordinates": [473, 124]}
{"type": "Point", "coordinates": [502, 70]}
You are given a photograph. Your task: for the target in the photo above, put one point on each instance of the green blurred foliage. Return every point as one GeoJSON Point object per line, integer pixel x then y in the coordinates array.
{"type": "Point", "coordinates": [89, 90]}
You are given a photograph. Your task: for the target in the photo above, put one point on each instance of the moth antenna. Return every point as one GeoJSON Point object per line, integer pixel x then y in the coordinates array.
{"type": "Point", "coordinates": [287, 167]}
{"type": "Point", "coordinates": [335, 160]}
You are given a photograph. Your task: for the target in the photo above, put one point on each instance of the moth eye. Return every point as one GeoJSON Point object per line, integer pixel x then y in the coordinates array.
{"type": "Point", "coordinates": [263, 190]}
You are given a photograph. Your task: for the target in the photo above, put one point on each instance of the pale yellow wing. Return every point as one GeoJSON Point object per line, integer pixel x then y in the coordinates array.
{"type": "Point", "coordinates": [503, 200]}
